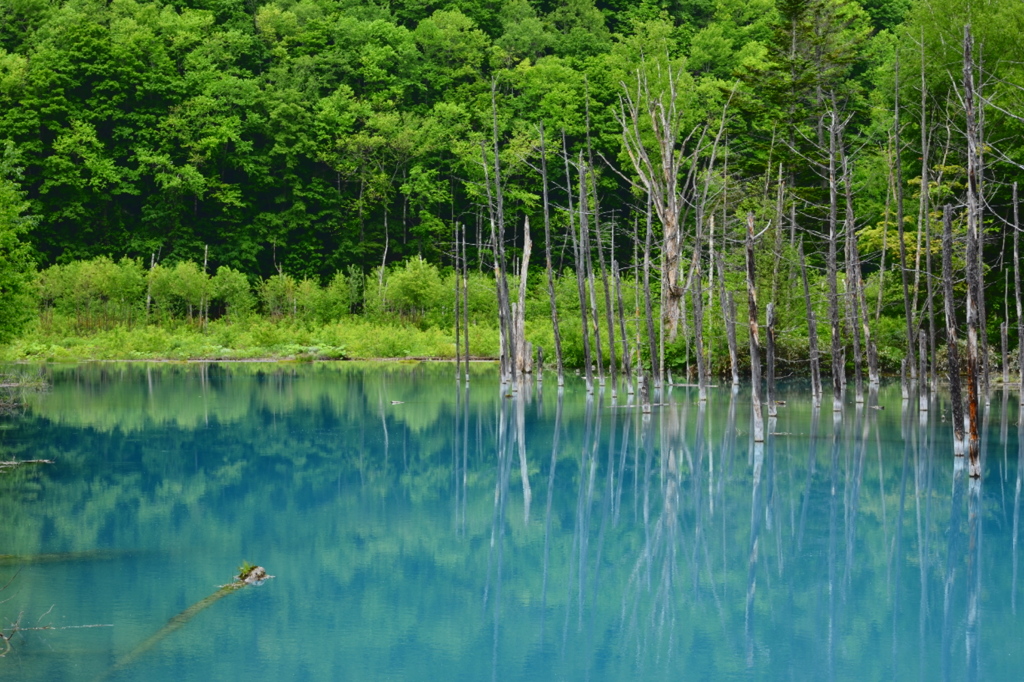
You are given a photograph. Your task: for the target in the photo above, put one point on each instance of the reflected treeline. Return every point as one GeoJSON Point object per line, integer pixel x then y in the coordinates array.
{"type": "Point", "coordinates": [557, 528]}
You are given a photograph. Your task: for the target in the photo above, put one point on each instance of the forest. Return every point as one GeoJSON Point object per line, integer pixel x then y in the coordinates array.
{"type": "Point", "coordinates": [203, 163]}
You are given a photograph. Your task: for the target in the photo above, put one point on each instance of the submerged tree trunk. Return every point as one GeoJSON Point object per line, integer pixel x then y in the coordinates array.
{"type": "Point", "coordinates": [922, 371]}
{"type": "Point", "coordinates": [523, 357]}
{"type": "Point", "coordinates": [588, 263]}
{"type": "Point", "coordinates": [648, 306]}
{"type": "Point", "coordinates": [755, 344]}
{"type": "Point", "coordinates": [729, 317]}
{"type": "Point", "coordinates": [898, 162]}
{"type": "Point", "coordinates": [770, 358]}
{"type": "Point", "coordinates": [974, 291]}
{"type": "Point", "coordinates": [812, 332]}
{"type": "Point", "coordinates": [578, 259]}
{"type": "Point", "coordinates": [458, 309]}
{"type": "Point", "coordinates": [1016, 295]}
{"type": "Point", "coordinates": [852, 277]}
{"type": "Point", "coordinates": [627, 366]}
{"type": "Point", "coordinates": [833, 287]}
{"type": "Point", "coordinates": [953, 352]}
{"type": "Point", "coordinates": [698, 333]}
{"type": "Point", "coordinates": [547, 258]}
{"type": "Point", "coordinates": [465, 301]}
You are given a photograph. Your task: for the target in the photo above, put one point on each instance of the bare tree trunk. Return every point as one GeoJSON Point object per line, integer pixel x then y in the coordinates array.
{"type": "Point", "coordinates": [465, 301]}
{"type": "Point", "coordinates": [659, 171]}
{"type": "Point", "coordinates": [698, 336]}
{"type": "Point", "coordinates": [812, 333]}
{"type": "Point", "coordinates": [953, 352]}
{"type": "Point", "coordinates": [588, 263]}
{"type": "Point", "coordinates": [1016, 295]}
{"type": "Point", "coordinates": [979, 136]}
{"type": "Point", "coordinates": [833, 288]}
{"type": "Point", "coordinates": [1004, 329]}
{"type": "Point", "coordinates": [496, 207]}
{"type": "Point", "coordinates": [523, 357]}
{"type": "Point", "coordinates": [601, 258]}
{"type": "Point", "coordinates": [852, 275]}
{"type": "Point", "coordinates": [922, 371]}
{"type": "Point", "coordinates": [755, 344]}
{"type": "Point", "coordinates": [547, 258]}
{"type": "Point", "coordinates": [904, 388]}
{"type": "Point", "coordinates": [648, 307]}
{"type": "Point", "coordinates": [770, 358]}
{"type": "Point", "coordinates": [869, 343]}
{"type": "Point", "coordinates": [580, 286]}
{"type": "Point", "coordinates": [898, 162]}
{"type": "Point", "coordinates": [974, 292]}
{"type": "Point", "coordinates": [729, 317]}
{"type": "Point", "coordinates": [697, 279]}
{"type": "Point", "coordinates": [626, 364]}
{"type": "Point", "coordinates": [458, 309]}
{"type": "Point", "coordinates": [148, 284]}
{"type": "Point", "coordinates": [885, 237]}
{"type": "Point", "coordinates": [925, 220]}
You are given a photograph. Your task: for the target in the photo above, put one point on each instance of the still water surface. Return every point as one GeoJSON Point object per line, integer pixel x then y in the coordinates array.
{"type": "Point", "coordinates": [464, 535]}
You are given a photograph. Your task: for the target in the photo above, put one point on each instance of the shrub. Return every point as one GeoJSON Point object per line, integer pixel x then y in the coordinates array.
{"type": "Point", "coordinates": [278, 295]}
{"type": "Point", "coordinates": [231, 288]}
{"type": "Point", "coordinates": [183, 290]}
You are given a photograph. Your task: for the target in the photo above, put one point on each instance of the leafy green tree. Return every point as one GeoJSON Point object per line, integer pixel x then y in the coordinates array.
{"type": "Point", "coordinates": [16, 265]}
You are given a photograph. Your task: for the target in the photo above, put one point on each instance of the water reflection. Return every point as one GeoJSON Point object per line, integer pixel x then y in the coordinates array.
{"type": "Point", "coordinates": [421, 530]}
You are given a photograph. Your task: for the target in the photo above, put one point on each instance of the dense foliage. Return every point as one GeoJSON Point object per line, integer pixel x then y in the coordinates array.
{"type": "Point", "coordinates": [299, 140]}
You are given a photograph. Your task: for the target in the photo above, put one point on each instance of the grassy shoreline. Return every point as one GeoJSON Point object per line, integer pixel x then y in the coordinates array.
{"type": "Point", "coordinates": [258, 339]}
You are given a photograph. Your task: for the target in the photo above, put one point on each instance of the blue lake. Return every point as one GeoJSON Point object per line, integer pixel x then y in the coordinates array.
{"type": "Point", "coordinates": [422, 531]}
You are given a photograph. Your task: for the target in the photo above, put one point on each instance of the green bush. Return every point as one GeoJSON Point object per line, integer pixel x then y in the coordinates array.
{"type": "Point", "coordinates": [180, 292]}
{"type": "Point", "coordinates": [278, 296]}
{"type": "Point", "coordinates": [97, 293]}
{"type": "Point", "coordinates": [231, 288]}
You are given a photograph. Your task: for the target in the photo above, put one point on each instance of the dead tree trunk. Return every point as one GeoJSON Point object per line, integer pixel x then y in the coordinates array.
{"type": "Point", "coordinates": [496, 206]}
{"type": "Point", "coordinates": [524, 358]}
{"type": "Point", "coordinates": [953, 352]}
{"type": "Point", "coordinates": [650, 112]}
{"type": "Point", "coordinates": [1004, 331]}
{"type": "Point", "coordinates": [812, 332]}
{"type": "Point", "coordinates": [833, 287]}
{"type": "Point", "coordinates": [974, 293]}
{"type": "Point", "coordinates": [923, 387]}
{"type": "Point", "coordinates": [627, 367]}
{"type": "Point", "coordinates": [458, 309]}
{"type": "Point", "coordinates": [578, 257]}
{"type": "Point", "coordinates": [869, 343]}
{"type": "Point", "coordinates": [925, 220]}
{"type": "Point", "coordinates": [547, 254]}
{"type": "Point", "coordinates": [729, 317]}
{"type": "Point", "coordinates": [698, 318]}
{"type": "Point", "coordinates": [852, 276]}
{"type": "Point", "coordinates": [588, 262]}
{"type": "Point", "coordinates": [770, 358]}
{"type": "Point", "coordinates": [609, 316]}
{"type": "Point", "coordinates": [648, 306]}
{"type": "Point", "coordinates": [755, 344]}
{"type": "Point", "coordinates": [465, 301]}
{"type": "Point", "coordinates": [898, 162]}
{"type": "Point", "coordinates": [1016, 295]}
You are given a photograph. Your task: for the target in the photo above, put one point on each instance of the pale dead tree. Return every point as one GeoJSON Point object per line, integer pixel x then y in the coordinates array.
{"type": "Point", "coordinates": [660, 141]}
{"type": "Point", "coordinates": [974, 284]}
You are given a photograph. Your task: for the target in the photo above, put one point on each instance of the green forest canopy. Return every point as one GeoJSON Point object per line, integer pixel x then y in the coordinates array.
{"type": "Point", "coordinates": [307, 137]}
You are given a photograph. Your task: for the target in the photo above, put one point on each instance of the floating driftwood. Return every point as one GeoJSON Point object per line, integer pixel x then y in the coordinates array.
{"type": "Point", "coordinates": [247, 575]}
{"type": "Point", "coordinates": [7, 465]}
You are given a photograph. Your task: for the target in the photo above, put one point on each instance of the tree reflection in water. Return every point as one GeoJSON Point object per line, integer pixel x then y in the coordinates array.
{"type": "Point", "coordinates": [669, 540]}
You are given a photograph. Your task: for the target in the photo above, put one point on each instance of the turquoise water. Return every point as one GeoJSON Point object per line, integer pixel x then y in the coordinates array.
{"type": "Point", "coordinates": [407, 543]}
